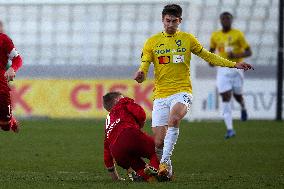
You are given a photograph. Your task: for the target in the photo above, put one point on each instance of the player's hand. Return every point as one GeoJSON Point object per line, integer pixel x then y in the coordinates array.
{"type": "Point", "coordinates": [139, 76]}
{"type": "Point", "coordinates": [10, 74]}
{"type": "Point", "coordinates": [244, 66]}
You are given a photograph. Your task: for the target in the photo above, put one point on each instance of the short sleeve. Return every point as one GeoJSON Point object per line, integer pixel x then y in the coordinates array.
{"type": "Point", "coordinates": [242, 40]}
{"type": "Point", "coordinates": [213, 44]}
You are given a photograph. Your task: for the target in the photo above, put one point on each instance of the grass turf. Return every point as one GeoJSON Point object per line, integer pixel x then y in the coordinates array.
{"type": "Point", "coordinates": [69, 154]}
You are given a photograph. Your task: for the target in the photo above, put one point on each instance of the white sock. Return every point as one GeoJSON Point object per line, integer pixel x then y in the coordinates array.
{"type": "Point", "coordinates": [170, 168]}
{"type": "Point", "coordinates": [169, 143]}
{"type": "Point", "coordinates": [159, 152]}
{"type": "Point", "coordinates": [227, 114]}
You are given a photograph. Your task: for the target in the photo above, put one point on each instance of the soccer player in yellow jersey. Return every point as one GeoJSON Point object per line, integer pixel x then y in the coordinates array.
{"type": "Point", "coordinates": [231, 44]}
{"type": "Point", "coordinates": [170, 52]}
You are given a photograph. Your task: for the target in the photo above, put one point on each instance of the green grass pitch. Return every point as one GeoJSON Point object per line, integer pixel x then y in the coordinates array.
{"type": "Point", "coordinates": [69, 154]}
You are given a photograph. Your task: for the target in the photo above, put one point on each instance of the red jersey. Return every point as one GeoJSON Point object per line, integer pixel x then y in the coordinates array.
{"type": "Point", "coordinates": [125, 114]}
{"type": "Point", "coordinates": [7, 51]}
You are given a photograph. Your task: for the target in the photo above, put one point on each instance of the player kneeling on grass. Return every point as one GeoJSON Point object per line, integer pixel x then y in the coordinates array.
{"type": "Point", "coordinates": [124, 142]}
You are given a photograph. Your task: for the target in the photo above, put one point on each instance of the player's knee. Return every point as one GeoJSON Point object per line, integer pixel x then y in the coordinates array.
{"type": "Point", "coordinates": [174, 120]}
{"type": "Point", "coordinates": [226, 96]}
{"type": "Point", "coordinates": [238, 98]}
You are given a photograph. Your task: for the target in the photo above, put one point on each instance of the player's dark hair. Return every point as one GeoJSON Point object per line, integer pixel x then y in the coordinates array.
{"type": "Point", "coordinates": [172, 9]}
{"type": "Point", "coordinates": [226, 14]}
{"type": "Point", "coordinates": [109, 99]}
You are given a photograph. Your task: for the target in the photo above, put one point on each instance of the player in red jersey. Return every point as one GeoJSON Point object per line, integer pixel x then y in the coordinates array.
{"type": "Point", "coordinates": [124, 142]}
{"type": "Point", "coordinates": [7, 52]}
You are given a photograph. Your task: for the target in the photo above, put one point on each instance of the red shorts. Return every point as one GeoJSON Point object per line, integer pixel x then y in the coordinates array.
{"type": "Point", "coordinates": [132, 145]}
{"type": "Point", "coordinates": [5, 107]}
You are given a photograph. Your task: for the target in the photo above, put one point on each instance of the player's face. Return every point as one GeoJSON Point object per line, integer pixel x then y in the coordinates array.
{"type": "Point", "coordinates": [171, 23]}
{"type": "Point", "coordinates": [226, 21]}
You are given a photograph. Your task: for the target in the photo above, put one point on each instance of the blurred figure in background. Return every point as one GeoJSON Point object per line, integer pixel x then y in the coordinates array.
{"type": "Point", "coordinates": [231, 44]}
{"type": "Point", "coordinates": [7, 52]}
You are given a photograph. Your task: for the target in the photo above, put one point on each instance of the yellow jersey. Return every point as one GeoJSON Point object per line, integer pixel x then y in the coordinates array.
{"type": "Point", "coordinates": [231, 41]}
{"type": "Point", "coordinates": [171, 56]}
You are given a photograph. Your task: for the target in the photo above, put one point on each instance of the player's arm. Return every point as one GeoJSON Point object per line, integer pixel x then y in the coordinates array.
{"type": "Point", "coordinates": [246, 53]}
{"type": "Point", "coordinates": [214, 59]}
{"type": "Point", "coordinates": [212, 47]}
{"type": "Point", "coordinates": [14, 57]}
{"type": "Point", "coordinates": [138, 113]}
{"type": "Point", "coordinates": [212, 50]}
{"type": "Point", "coordinates": [146, 59]}
{"type": "Point", "coordinates": [108, 160]}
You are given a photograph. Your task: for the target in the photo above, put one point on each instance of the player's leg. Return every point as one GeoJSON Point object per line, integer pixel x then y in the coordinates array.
{"type": "Point", "coordinates": [131, 145]}
{"type": "Point", "coordinates": [227, 113]}
{"type": "Point", "coordinates": [5, 125]}
{"type": "Point", "coordinates": [7, 120]}
{"type": "Point", "coordinates": [179, 103]}
{"type": "Point", "coordinates": [5, 111]}
{"type": "Point", "coordinates": [159, 133]}
{"type": "Point", "coordinates": [238, 95]}
{"type": "Point", "coordinates": [145, 147]}
{"type": "Point", "coordinates": [138, 165]}
{"type": "Point", "coordinates": [225, 86]}
{"type": "Point", "coordinates": [121, 152]}
{"type": "Point", "coordinates": [160, 115]}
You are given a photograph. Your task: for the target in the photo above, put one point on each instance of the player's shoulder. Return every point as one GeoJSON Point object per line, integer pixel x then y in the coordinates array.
{"type": "Point", "coordinates": [4, 36]}
{"type": "Point", "coordinates": [153, 39]}
{"type": "Point", "coordinates": [216, 33]}
{"type": "Point", "coordinates": [236, 31]}
{"type": "Point", "coordinates": [186, 35]}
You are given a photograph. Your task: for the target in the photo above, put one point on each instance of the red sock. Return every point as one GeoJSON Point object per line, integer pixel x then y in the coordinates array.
{"type": "Point", "coordinates": [154, 161]}
{"type": "Point", "coordinates": [142, 174]}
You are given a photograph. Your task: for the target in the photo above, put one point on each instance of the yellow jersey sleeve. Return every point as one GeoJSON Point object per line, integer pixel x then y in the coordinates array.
{"type": "Point", "coordinates": [195, 47]}
{"type": "Point", "coordinates": [212, 58]}
{"type": "Point", "coordinates": [213, 44]}
{"type": "Point", "coordinates": [146, 57]}
{"type": "Point", "coordinates": [215, 59]}
{"type": "Point", "coordinates": [242, 40]}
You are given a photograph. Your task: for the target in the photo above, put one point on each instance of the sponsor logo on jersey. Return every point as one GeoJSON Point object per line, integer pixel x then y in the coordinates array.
{"type": "Point", "coordinates": [164, 59]}
{"type": "Point", "coordinates": [178, 42]}
{"type": "Point", "coordinates": [164, 51]}
{"type": "Point", "coordinates": [178, 59]}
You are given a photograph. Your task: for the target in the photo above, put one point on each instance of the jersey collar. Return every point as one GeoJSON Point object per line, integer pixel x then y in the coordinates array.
{"type": "Point", "coordinates": [170, 35]}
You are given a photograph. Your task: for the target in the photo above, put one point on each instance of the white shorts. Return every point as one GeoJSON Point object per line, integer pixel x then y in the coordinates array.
{"type": "Point", "coordinates": [227, 82]}
{"type": "Point", "coordinates": [163, 106]}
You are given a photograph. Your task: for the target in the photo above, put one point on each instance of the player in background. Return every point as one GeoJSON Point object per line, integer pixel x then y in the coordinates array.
{"type": "Point", "coordinates": [7, 52]}
{"type": "Point", "coordinates": [170, 52]}
{"type": "Point", "coordinates": [124, 142]}
{"type": "Point", "coordinates": [231, 44]}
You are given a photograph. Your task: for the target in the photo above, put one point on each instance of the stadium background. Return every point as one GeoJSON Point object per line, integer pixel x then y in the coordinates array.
{"type": "Point", "coordinates": [75, 51]}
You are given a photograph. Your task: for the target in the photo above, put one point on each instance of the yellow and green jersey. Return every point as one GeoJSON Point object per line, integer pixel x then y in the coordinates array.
{"type": "Point", "coordinates": [231, 41]}
{"type": "Point", "coordinates": [171, 56]}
